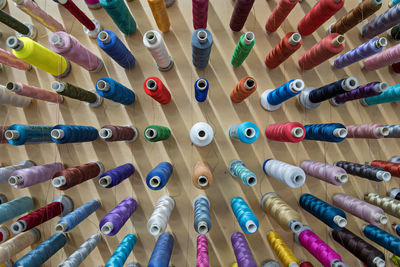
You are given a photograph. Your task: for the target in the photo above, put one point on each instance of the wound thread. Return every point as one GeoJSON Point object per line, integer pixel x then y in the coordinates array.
{"type": "Point", "coordinates": [122, 252]}
{"type": "Point", "coordinates": [158, 221]}
{"type": "Point", "coordinates": [75, 92]}
{"type": "Point", "coordinates": [386, 57]}
{"type": "Point", "coordinates": [78, 14]}
{"type": "Point", "coordinates": [159, 176]}
{"type": "Point", "coordinates": [162, 251]}
{"type": "Point", "coordinates": [24, 29]}
{"type": "Point", "coordinates": [289, 44]}
{"type": "Point", "coordinates": [243, 48]}
{"type": "Point", "coordinates": [242, 251]}
{"type": "Point", "coordinates": [202, 176]}
{"type": "Point", "coordinates": [382, 238]}
{"type": "Point", "coordinates": [392, 94]}
{"type": "Point", "coordinates": [70, 177]}
{"type": "Point", "coordinates": [18, 134]}
{"type": "Point", "coordinates": [246, 132]}
{"type": "Point", "coordinates": [366, 90]}
{"type": "Point", "coordinates": [364, 171]}
{"type": "Point", "coordinates": [239, 16]}
{"type": "Point", "coordinates": [272, 99]}
{"type": "Point", "coordinates": [15, 208]}
{"type": "Point", "coordinates": [62, 134]}
{"type": "Point", "coordinates": [18, 243]}
{"type": "Point", "coordinates": [154, 43]}
{"type": "Point", "coordinates": [117, 175]}
{"type": "Point", "coordinates": [325, 172]}
{"type": "Point", "coordinates": [120, 14]}
{"type": "Point", "coordinates": [33, 92]}
{"type": "Point", "coordinates": [155, 88]}
{"type": "Point", "coordinates": [200, 15]}
{"type": "Point", "coordinates": [329, 132]}
{"type": "Point", "coordinates": [393, 168]}
{"type": "Point", "coordinates": [243, 89]}
{"type": "Point", "coordinates": [281, 249]}
{"type": "Point", "coordinates": [279, 14]}
{"type": "Point", "coordinates": [156, 133]}
{"type": "Point", "coordinates": [389, 205]}
{"type": "Point", "coordinates": [292, 132]}
{"type": "Point", "coordinates": [202, 219]}
{"type": "Point", "coordinates": [202, 41]}
{"type": "Point", "coordinates": [202, 252]}
{"type": "Point", "coordinates": [9, 59]}
{"type": "Point", "coordinates": [79, 255]}
{"type": "Point", "coordinates": [367, 131]}
{"type": "Point", "coordinates": [395, 33]}
{"type": "Point", "coordinates": [7, 98]}
{"type": "Point", "coordinates": [159, 10]}
{"type": "Point", "coordinates": [113, 90]}
{"type": "Point", "coordinates": [290, 175]}
{"type": "Point", "coordinates": [244, 215]}
{"type": "Point", "coordinates": [201, 89]}
{"type": "Point", "coordinates": [114, 133]}
{"type": "Point", "coordinates": [5, 172]}
{"type": "Point", "coordinates": [238, 169]}
{"type": "Point", "coordinates": [72, 219]}
{"type": "Point", "coordinates": [382, 23]}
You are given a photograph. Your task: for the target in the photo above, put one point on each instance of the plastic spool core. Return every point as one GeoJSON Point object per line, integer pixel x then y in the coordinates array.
{"type": "Point", "coordinates": [340, 132]}
{"type": "Point", "coordinates": [14, 43]}
{"type": "Point", "coordinates": [342, 177]}
{"type": "Point", "coordinates": [154, 230]}
{"type": "Point", "coordinates": [381, 218]}
{"type": "Point", "coordinates": [383, 131]}
{"type": "Point", "coordinates": [59, 181]}
{"type": "Point", "coordinates": [339, 40]}
{"type": "Point", "coordinates": [61, 227]}
{"type": "Point", "coordinates": [298, 179]}
{"type": "Point", "coordinates": [13, 87]}
{"type": "Point", "coordinates": [295, 38]}
{"type": "Point", "coordinates": [251, 226]}
{"type": "Point", "coordinates": [249, 84]}
{"type": "Point", "coordinates": [381, 87]}
{"type": "Point", "coordinates": [202, 36]}
{"type": "Point", "coordinates": [251, 181]}
{"type": "Point", "coordinates": [105, 133]}
{"type": "Point", "coordinates": [295, 226]}
{"type": "Point", "coordinates": [150, 133]}
{"type": "Point", "coordinates": [57, 134]}
{"type": "Point", "coordinates": [383, 175]}
{"type": "Point", "coordinates": [56, 40]}
{"type": "Point", "coordinates": [15, 180]}
{"type": "Point", "coordinates": [202, 228]}
{"type": "Point", "coordinates": [202, 134]}
{"type": "Point", "coordinates": [249, 132]}
{"type": "Point", "coordinates": [249, 37]}
{"type": "Point", "coordinates": [296, 85]}
{"type": "Point", "coordinates": [57, 86]}
{"type": "Point", "coordinates": [382, 42]}
{"type": "Point", "coordinates": [151, 85]}
{"type": "Point", "coordinates": [340, 221]}
{"type": "Point", "coordinates": [11, 134]}
{"type": "Point", "coordinates": [104, 37]}
{"type": "Point", "coordinates": [155, 181]}
{"type": "Point", "coordinates": [203, 181]}
{"type": "Point", "coordinates": [103, 86]}
{"type": "Point", "coordinates": [107, 228]}
{"type": "Point", "coordinates": [105, 181]}
{"type": "Point", "coordinates": [297, 132]}
{"type": "Point", "coordinates": [379, 262]}
{"type": "Point", "coordinates": [18, 227]}
{"type": "Point", "coordinates": [337, 263]}
{"type": "Point", "coordinates": [151, 37]}
{"type": "Point", "coordinates": [202, 85]}
{"type": "Point", "coordinates": [350, 84]}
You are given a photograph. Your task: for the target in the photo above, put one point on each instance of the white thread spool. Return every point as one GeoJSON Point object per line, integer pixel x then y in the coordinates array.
{"type": "Point", "coordinates": [201, 134]}
{"type": "Point", "coordinates": [155, 44]}
{"type": "Point", "coordinates": [159, 219]}
{"type": "Point", "coordinates": [290, 175]}
{"type": "Point", "coordinates": [8, 98]}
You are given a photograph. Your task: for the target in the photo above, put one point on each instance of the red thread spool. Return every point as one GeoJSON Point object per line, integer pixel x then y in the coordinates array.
{"type": "Point", "coordinates": [70, 177]}
{"type": "Point", "coordinates": [284, 49]}
{"type": "Point", "coordinates": [393, 168]}
{"type": "Point", "coordinates": [331, 45]}
{"type": "Point", "coordinates": [279, 14]}
{"type": "Point", "coordinates": [243, 89]}
{"type": "Point", "coordinates": [157, 90]}
{"type": "Point", "coordinates": [321, 12]}
{"type": "Point", "coordinates": [396, 67]}
{"type": "Point", "coordinates": [42, 215]}
{"type": "Point", "coordinates": [3, 139]}
{"type": "Point", "coordinates": [306, 264]}
{"type": "Point", "coordinates": [292, 132]}
{"type": "Point", "coordinates": [78, 14]}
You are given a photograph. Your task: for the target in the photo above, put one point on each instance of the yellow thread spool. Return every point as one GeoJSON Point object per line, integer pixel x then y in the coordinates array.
{"type": "Point", "coordinates": [159, 10]}
{"type": "Point", "coordinates": [39, 56]}
{"type": "Point", "coordinates": [235, 265]}
{"type": "Point", "coordinates": [281, 249]}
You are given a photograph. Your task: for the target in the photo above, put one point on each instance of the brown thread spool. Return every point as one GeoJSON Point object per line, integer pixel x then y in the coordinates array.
{"type": "Point", "coordinates": [243, 89]}
{"type": "Point", "coordinates": [112, 133]}
{"type": "Point", "coordinates": [159, 10]}
{"type": "Point", "coordinates": [202, 176]}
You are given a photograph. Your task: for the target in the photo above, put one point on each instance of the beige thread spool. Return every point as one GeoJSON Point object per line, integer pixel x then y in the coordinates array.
{"type": "Point", "coordinates": [202, 176]}
{"type": "Point", "coordinates": [18, 243]}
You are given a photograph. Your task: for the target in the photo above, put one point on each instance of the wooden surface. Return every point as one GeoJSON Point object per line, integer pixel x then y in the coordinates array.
{"type": "Point", "coordinates": [179, 116]}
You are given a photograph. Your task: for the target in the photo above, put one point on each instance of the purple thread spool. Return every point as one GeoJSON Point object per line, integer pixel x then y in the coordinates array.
{"type": "Point", "coordinates": [325, 172]}
{"type": "Point", "coordinates": [117, 217]}
{"type": "Point", "coordinates": [242, 251]}
{"type": "Point", "coordinates": [363, 91]}
{"type": "Point", "coordinates": [115, 176]}
{"type": "Point", "coordinates": [200, 14]}
{"type": "Point", "coordinates": [240, 13]}
{"type": "Point", "coordinates": [382, 23]}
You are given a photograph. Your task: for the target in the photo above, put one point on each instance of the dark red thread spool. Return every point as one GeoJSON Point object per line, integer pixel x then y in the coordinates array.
{"type": "Point", "coordinates": [284, 49]}
{"type": "Point", "coordinates": [157, 90]}
{"type": "Point", "coordinates": [78, 14]}
{"type": "Point", "coordinates": [279, 14]}
{"type": "Point", "coordinates": [393, 168]}
{"type": "Point", "coordinates": [240, 13]}
{"type": "Point", "coordinates": [292, 132]}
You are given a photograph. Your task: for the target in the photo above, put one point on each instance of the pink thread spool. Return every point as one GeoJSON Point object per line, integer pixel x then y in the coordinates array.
{"type": "Point", "coordinates": [325, 172]}
{"type": "Point", "coordinates": [9, 59]}
{"type": "Point", "coordinates": [202, 252]}
{"type": "Point", "coordinates": [367, 131]}
{"type": "Point", "coordinates": [34, 92]}
{"type": "Point", "coordinates": [384, 58]}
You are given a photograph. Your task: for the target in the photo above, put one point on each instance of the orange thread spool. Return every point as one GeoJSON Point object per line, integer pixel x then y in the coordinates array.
{"type": "Point", "coordinates": [159, 10]}
{"type": "Point", "coordinates": [243, 89]}
{"type": "Point", "coordinates": [202, 176]}
{"type": "Point", "coordinates": [284, 49]}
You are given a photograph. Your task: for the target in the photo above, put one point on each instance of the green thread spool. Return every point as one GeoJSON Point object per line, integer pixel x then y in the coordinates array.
{"type": "Point", "coordinates": [392, 94]}
{"type": "Point", "coordinates": [155, 133]}
{"type": "Point", "coordinates": [243, 49]}
{"type": "Point", "coordinates": [91, 98]}
{"type": "Point", "coordinates": [24, 29]}
{"type": "Point", "coordinates": [395, 259]}
{"type": "Point", "coordinates": [395, 32]}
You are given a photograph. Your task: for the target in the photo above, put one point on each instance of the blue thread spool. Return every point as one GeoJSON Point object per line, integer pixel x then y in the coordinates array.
{"type": "Point", "coordinates": [116, 176]}
{"type": "Point", "coordinates": [330, 215]}
{"type": "Point", "coordinates": [330, 132]}
{"type": "Point", "coordinates": [18, 134]}
{"type": "Point", "coordinates": [122, 252]}
{"type": "Point", "coordinates": [396, 228]}
{"type": "Point", "coordinates": [62, 134]}
{"type": "Point", "coordinates": [162, 251]}
{"type": "Point", "coordinates": [382, 238]}
{"type": "Point", "coordinates": [202, 41]}
{"type": "Point", "coordinates": [113, 90]}
{"type": "Point", "coordinates": [72, 219]}
{"type": "Point", "coordinates": [15, 208]}
{"type": "Point", "coordinates": [115, 48]}
{"type": "Point", "coordinates": [238, 169]}
{"type": "Point", "coordinates": [202, 219]}
{"type": "Point", "coordinates": [43, 252]}
{"type": "Point", "coordinates": [244, 215]}
{"type": "Point", "coordinates": [246, 132]}
{"type": "Point", "coordinates": [272, 99]}
{"type": "Point", "coordinates": [119, 13]}
{"type": "Point", "coordinates": [201, 89]}
{"type": "Point", "coordinates": [392, 94]}
{"type": "Point", "coordinates": [159, 176]}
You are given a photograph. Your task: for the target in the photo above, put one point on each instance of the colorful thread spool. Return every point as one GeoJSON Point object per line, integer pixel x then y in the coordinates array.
{"type": "Point", "coordinates": [153, 41]}
{"type": "Point", "coordinates": [73, 176]}
{"type": "Point", "coordinates": [7, 98]}
{"type": "Point", "coordinates": [91, 98]}
{"type": "Point", "coordinates": [389, 205]}
{"type": "Point", "coordinates": [367, 131]}
{"type": "Point", "coordinates": [122, 252]}
{"type": "Point", "coordinates": [33, 92]}
{"type": "Point", "coordinates": [243, 48]}
{"type": "Point", "coordinates": [201, 89]}
{"type": "Point", "coordinates": [119, 13]}
{"type": "Point", "coordinates": [363, 91]}
{"type": "Point", "coordinates": [159, 218]}
{"type": "Point", "coordinates": [239, 16]}
{"type": "Point", "coordinates": [364, 171]}
{"type": "Point", "coordinates": [162, 251]}
{"type": "Point", "coordinates": [5, 172]}
{"type": "Point", "coordinates": [18, 134]}
{"type": "Point", "coordinates": [243, 89]}
{"type": "Point", "coordinates": [202, 219]}
{"type": "Point", "coordinates": [382, 23]}
{"type": "Point", "coordinates": [79, 255]}
{"type": "Point", "coordinates": [325, 172]}
{"type": "Point", "coordinates": [290, 175]}
{"type": "Point", "coordinates": [282, 250]}
{"type": "Point", "coordinates": [18, 243]}
{"type": "Point", "coordinates": [392, 94]}
{"type": "Point", "coordinates": [200, 14]}
{"type": "Point", "coordinates": [113, 133]}
{"type": "Point", "coordinates": [246, 132]}
{"type": "Point", "coordinates": [75, 217]}
{"type": "Point", "coordinates": [202, 41]}
{"type": "Point", "coordinates": [113, 90]}
{"type": "Point", "coordinates": [201, 134]}
{"type": "Point", "coordinates": [385, 58]}
{"type": "Point", "coordinates": [393, 168]}
{"type": "Point", "coordinates": [289, 44]}
{"type": "Point", "coordinates": [202, 259]}
{"type": "Point", "coordinates": [63, 134]}
{"type": "Point", "coordinates": [15, 208]}
{"type": "Point", "coordinates": [279, 14]}
{"type": "Point", "coordinates": [395, 259]}
{"type": "Point", "coordinates": [292, 132]}
{"type": "Point", "coordinates": [24, 29]}
{"type": "Point", "coordinates": [116, 176]}
{"type": "Point", "coordinates": [155, 88]}
{"type": "Point", "coordinates": [242, 251]}
{"type": "Point", "coordinates": [244, 215]}
{"type": "Point", "coordinates": [156, 133]}
{"type": "Point", "coordinates": [159, 10]}
{"type": "Point", "coordinates": [238, 169]}
{"type": "Point", "coordinates": [9, 59]}
{"type": "Point", "coordinates": [202, 176]}
{"type": "Point", "coordinates": [158, 177]}
{"type": "Point", "coordinates": [382, 238]}
{"type": "Point", "coordinates": [272, 99]}
{"type": "Point", "coordinates": [329, 132]}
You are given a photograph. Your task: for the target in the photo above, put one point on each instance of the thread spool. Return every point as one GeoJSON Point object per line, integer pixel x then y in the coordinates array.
{"type": "Point", "coordinates": [238, 169]}
{"type": "Point", "coordinates": [282, 250]}
{"type": "Point", "coordinates": [394, 193]}
{"type": "Point", "coordinates": [382, 238]}
{"type": "Point", "coordinates": [367, 131]}
{"type": "Point", "coordinates": [244, 215]}
{"type": "Point", "coordinates": [382, 23]}
{"type": "Point", "coordinates": [364, 171]}
{"type": "Point", "coordinates": [290, 175]}
{"type": "Point", "coordinates": [289, 44]}
{"type": "Point", "coordinates": [63, 134]}
{"type": "Point", "coordinates": [396, 228]}
{"type": "Point", "coordinates": [201, 134]}
{"type": "Point", "coordinates": [122, 252]}
{"type": "Point", "coordinates": [155, 88]}
{"type": "Point", "coordinates": [156, 133]}
{"type": "Point", "coordinates": [158, 221]}
{"type": "Point", "coordinates": [91, 98]}
{"type": "Point", "coordinates": [202, 251]}
{"type": "Point", "coordinates": [115, 48]}
{"type": "Point", "coordinates": [93, 4]}
{"type": "Point", "coordinates": [24, 29]}
{"type": "Point", "coordinates": [5, 172]}
{"type": "Point", "coordinates": [202, 219]}
{"type": "Point", "coordinates": [116, 176]}
{"type": "Point", "coordinates": [246, 132]}
{"type": "Point", "coordinates": [18, 134]}
{"type": "Point", "coordinates": [202, 41]}
{"type": "Point", "coordinates": [279, 14]}
{"type": "Point", "coordinates": [395, 33]}
{"type": "Point", "coordinates": [243, 48]}
{"type": "Point", "coordinates": [385, 58]}
{"type": "Point", "coordinates": [272, 99]}
{"type": "Point", "coordinates": [239, 16]}
{"type": "Point", "coordinates": [9, 59]}
{"type": "Point", "coordinates": [243, 89]}
{"type": "Point", "coordinates": [330, 132]}
{"type": "Point", "coordinates": [159, 10]}
{"type": "Point", "coordinates": [389, 205]}
{"type": "Point", "coordinates": [159, 176]}
{"type": "Point", "coordinates": [7, 98]}
{"type": "Point", "coordinates": [117, 217]}
{"type": "Point", "coordinates": [392, 94]}
{"type": "Point", "coordinates": [202, 176]}
{"type": "Point", "coordinates": [395, 259]}
{"type": "Point", "coordinates": [325, 172]}
{"type": "Point", "coordinates": [18, 243]}
{"type": "Point", "coordinates": [4, 234]}
{"type": "Point", "coordinates": [392, 168]}
{"type": "Point", "coordinates": [360, 209]}
{"type": "Point", "coordinates": [70, 177]}
{"type": "Point", "coordinates": [39, 56]}
{"type": "Point", "coordinates": [201, 89]}
{"type": "Point", "coordinates": [242, 251]}
{"type": "Point", "coordinates": [366, 90]}
{"type": "Point", "coordinates": [113, 133]}
{"type": "Point", "coordinates": [119, 13]}
{"type": "Point", "coordinates": [33, 92]}
{"type": "Point", "coordinates": [292, 132]}
{"type": "Point", "coordinates": [15, 208]}
{"type": "Point", "coordinates": [162, 251]}
{"type": "Point", "coordinates": [154, 42]}
{"type": "Point", "coordinates": [393, 3]}
{"type": "Point", "coordinates": [113, 90]}
{"type": "Point", "coordinates": [79, 255]}
{"type": "Point", "coordinates": [200, 14]}
{"type": "Point", "coordinates": [75, 217]}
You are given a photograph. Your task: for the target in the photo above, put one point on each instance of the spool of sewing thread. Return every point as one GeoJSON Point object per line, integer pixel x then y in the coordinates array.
{"type": "Point", "coordinates": [202, 252]}
{"type": "Point", "coordinates": [382, 238]}
{"type": "Point", "coordinates": [26, 177]}
{"type": "Point", "coordinates": [15, 208]}
{"type": "Point", "coordinates": [154, 43]}
{"type": "Point", "coordinates": [159, 176]}
{"type": "Point", "coordinates": [73, 176]}
{"type": "Point", "coordinates": [155, 88]}
{"type": "Point", "coordinates": [395, 259]}
{"type": "Point", "coordinates": [122, 252]}
{"type": "Point", "coordinates": [364, 171]}
{"type": "Point", "coordinates": [292, 132]}
{"type": "Point", "coordinates": [23, 29]}
{"type": "Point", "coordinates": [243, 48]}
{"type": "Point", "coordinates": [367, 49]}
{"type": "Point", "coordinates": [393, 168]}
{"type": "Point", "coordinates": [395, 33]}
{"type": "Point", "coordinates": [382, 23]}
{"type": "Point", "coordinates": [325, 172]}
{"type": "Point", "coordinates": [69, 47]}
{"type": "Point", "coordinates": [113, 90]}
{"type": "Point", "coordinates": [238, 169]}
{"type": "Point", "coordinates": [18, 243]}
{"type": "Point", "coordinates": [389, 205]}
{"type": "Point", "coordinates": [330, 215]}
{"type": "Point", "coordinates": [201, 89]}
{"type": "Point", "coordinates": [159, 218]}
{"type": "Point", "coordinates": [330, 132]}
{"type": "Point", "coordinates": [159, 10]}
{"type": "Point", "coordinates": [244, 215]}
{"type": "Point", "coordinates": [243, 89]}
{"type": "Point", "coordinates": [93, 4]}
{"type": "Point", "coordinates": [72, 219]}
{"type": "Point", "coordinates": [7, 98]}
{"type": "Point", "coordinates": [79, 255]}
{"type": "Point", "coordinates": [242, 251]}
{"type": "Point", "coordinates": [202, 176]}
{"type": "Point", "coordinates": [4, 234]}
{"type": "Point", "coordinates": [39, 56]}
{"type": "Point", "coordinates": [392, 94]}
{"type": "Point", "coordinates": [201, 134]}
{"type": "Point", "coordinates": [272, 99]}
{"type": "Point", "coordinates": [246, 132]}
{"type": "Point", "coordinates": [367, 131]}
{"type": "Point", "coordinates": [43, 252]}
{"type": "Point", "coordinates": [120, 14]}
{"type": "Point", "coordinates": [289, 44]}
{"type": "Point", "coordinates": [359, 208]}
{"type": "Point", "coordinates": [202, 41]}
{"type": "Point", "coordinates": [394, 193]}
{"type": "Point", "coordinates": [33, 92]}
{"type": "Point", "coordinates": [282, 250]}
{"type": "Point", "coordinates": [33, 10]}
{"type": "Point", "coordinates": [202, 219]}
{"type": "Point", "coordinates": [91, 98]}
{"type": "Point", "coordinates": [5, 172]}
{"type": "Point", "coordinates": [200, 14]}
{"type": "Point", "coordinates": [393, 3]}
{"type": "Point", "coordinates": [113, 133]}
{"type": "Point", "coordinates": [117, 217]}
{"type": "Point", "coordinates": [368, 254]}
{"type": "Point", "coordinates": [384, 58]}
{"type": "Point", "coordinates": [290, 175]}
{"type": "Point", "coordinates": [115, 48]}
{"type": "Point", "coordinates": [279, 14]}
{"type": "Point", "coordinates": [156, 133]}
{"type": "Point", "coordinates": [63, 134]}
{"type": "Point", "coordinates": [116, 176]}
{"type": "Point", "coordinates": [18, 134]}
{"type": "Point", "coordinates": [366, 90]}
{"type": "Point", "coordinates": [9, 59]}
{"type": "Point", "coordinates": [162, 251]}
{"type": "Point", "coordinates": [239, 16]}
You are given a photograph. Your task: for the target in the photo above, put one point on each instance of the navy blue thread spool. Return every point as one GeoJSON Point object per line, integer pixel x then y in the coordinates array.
{"type": "Point", "coordinates": [330, 215]}
{"type": "Point", "coordinates": [202, 42]}
{"type": "Point", "coordinates": [115, 48]}
{"type": "Point", "coordinates": [116, 176]}
{"type": "Point", "coordinates": [396, 228]}
{"type": "Point", "coordinates": [62, 134]}
{"type": "Point", "coordinates": [162, 251]}
{"type": "Point", "coordinates": [159, 176]}
{"type": "Point", "coordinates": [202, 219]}
{"type": "Point", "coordinates": [311, 98]}
{"type": "Point", "coordinates": [272, 99]}
{"type": "Point", "coordinates": [382, 238]}
{"type": "Point", "coordinates": [201, 89]}
{"type": "Point", "coordinates": [18, 134]}
{"type": "Point", "coordinates": [113, 90]}
{"type": "Point", "coordinates": [330, 132]}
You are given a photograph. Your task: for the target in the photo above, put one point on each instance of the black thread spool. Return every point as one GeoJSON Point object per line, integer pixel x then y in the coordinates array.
{"type": "Point", "coordinates": [23, 29]}
{"type": "Point", "coordinates": [364, 171]}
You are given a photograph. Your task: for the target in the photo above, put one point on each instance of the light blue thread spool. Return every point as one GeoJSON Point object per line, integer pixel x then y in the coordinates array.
{"type": "Point", "coordinates": [246, 132]}
{"type": "Point", "coordinates": [122, 252]}
{"type": "Point", "coordinates": [15, 208]}
{"type": "Point", "coordinates": [202, 219]}
{"type": "Point", "coordinates": [239, 170]}
{"type": "Point", "coordinates": [244, 215]}
{"type": "Point", "coordinates": [72, 219]}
